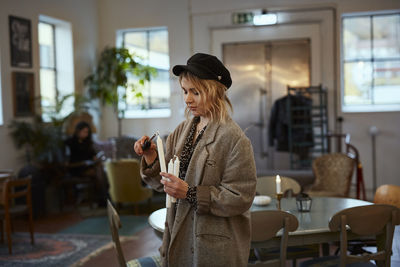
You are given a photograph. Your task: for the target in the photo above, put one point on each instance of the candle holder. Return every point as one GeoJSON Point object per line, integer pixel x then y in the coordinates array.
{"type": "Point", "coordinates": [303, 202]}
{"type": "Point", "coordinates": [278, 203]}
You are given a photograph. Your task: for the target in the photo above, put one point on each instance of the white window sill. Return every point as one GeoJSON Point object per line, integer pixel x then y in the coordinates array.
{"type": "Point", "coordinates": [371, 108]}
{"type": "Point", "coordinates": [146, 114]}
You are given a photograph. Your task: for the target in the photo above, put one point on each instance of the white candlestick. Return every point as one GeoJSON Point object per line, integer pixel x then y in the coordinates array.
{"type": "Point", "coordinates": [278, 184]}
{"type": "Point", "coordinates": [161, 158]}
{"type": "Point", "coordinates": [176, 173]}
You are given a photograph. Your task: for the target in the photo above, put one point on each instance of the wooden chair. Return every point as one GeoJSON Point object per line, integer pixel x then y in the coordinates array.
{"type": "Point", "coordinates": [352, 152]}
{"type": "Point", "coordinates": [126, 183]}
{"type": "Point", "coordinates": [372, 220]}
{"type": "Point", "coordinates": [266, 186]}
{"type": "Point", "coordinates": [333, 173]}
{"type": "Point", "coordinates": [265, 224]}
{"type": "Point", "coordinates": [385, 194]}
{"type": "Point", "coordinates": [115, 224]}
{"type": "Point", "coordinates": [388, 194]}
{"type": "Point", "coordinates": [12, 190]}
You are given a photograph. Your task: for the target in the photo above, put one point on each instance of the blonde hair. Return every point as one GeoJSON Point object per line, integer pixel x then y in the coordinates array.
{"type": "Point", "coordinates": [213, 97]}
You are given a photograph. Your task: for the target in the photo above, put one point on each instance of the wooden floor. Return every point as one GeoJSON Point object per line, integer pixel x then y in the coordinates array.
{"type": "Point", "coordinates": [144, 243]}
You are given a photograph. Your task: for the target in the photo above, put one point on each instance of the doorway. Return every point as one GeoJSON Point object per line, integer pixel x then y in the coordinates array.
{"type": "Point", "coordinates": [261, 72]}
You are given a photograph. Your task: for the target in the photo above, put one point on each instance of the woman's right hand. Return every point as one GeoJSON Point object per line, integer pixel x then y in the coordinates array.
{"type": "Point", "coordinates": [150, 154]}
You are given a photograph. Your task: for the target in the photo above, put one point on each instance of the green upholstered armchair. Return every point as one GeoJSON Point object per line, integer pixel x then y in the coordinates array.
{"type": "Point", "coordinates": [125, 182]}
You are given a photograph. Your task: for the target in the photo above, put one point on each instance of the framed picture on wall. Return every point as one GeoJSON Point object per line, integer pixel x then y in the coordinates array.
{"type": "Point", "coordinates": [20, 42]}
{"type": "Point", "coordinates": [23, 94]}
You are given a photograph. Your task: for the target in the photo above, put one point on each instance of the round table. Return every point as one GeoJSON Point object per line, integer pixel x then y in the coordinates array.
{"type": "Point", "coordinates": [313, 225]}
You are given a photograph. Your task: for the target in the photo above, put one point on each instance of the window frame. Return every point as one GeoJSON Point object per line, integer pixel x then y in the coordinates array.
{"type": "Point", "coordinates": [64, 79]}
{"type": "Point", "coordinates": [149, 112]}
{"type": "Point", "coordinates": [372, 59]}
{"type": "Point", "coordinates": [54, 68]}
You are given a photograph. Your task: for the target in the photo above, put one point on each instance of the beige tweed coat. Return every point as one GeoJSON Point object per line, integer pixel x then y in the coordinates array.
{"type": "Point", "coordinates": [222, 167]}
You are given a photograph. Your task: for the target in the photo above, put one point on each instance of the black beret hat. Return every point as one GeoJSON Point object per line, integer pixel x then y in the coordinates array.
{"type": "Point", "coordinates": [206, 67]}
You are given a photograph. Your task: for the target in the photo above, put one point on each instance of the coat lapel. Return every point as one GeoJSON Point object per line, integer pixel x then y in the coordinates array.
{"type": "Point", "coordinates": [195, 171]}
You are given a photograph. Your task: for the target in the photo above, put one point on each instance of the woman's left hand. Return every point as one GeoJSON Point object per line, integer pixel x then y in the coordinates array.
{"type": "Point", "coordinates": [176, 187]}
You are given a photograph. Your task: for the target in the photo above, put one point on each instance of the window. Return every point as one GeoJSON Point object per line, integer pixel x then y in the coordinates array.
{"type": "Point", "coordinates": [151, 47]}
{"type": "Point", "coordinates": [56, 67]}
{"type": "Point", "coordinates": [371, 62]}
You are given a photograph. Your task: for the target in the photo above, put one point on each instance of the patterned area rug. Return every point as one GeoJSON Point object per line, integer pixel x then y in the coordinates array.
{"type": "Point", "coordinates": [51, 249]}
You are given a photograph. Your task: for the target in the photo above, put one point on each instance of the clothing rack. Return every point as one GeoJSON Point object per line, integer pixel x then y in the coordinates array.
{"type": "Point", "coordinates": [307, 125]}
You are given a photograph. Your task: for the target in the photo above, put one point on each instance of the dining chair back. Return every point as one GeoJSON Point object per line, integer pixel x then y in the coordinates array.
{"type": "Point", "coordinates": [385, 194]}
{"type": "Point", "coordinates": [266, 185]}
{"type": "Point", "coordinates": [333, 173]}
{"type": "Point", "coordinates": [265, 225]}
{"type": "Point", "coordinates": [372, 220]}
{"type": "Point", "coordinates": [16, 189]}
{"type": "Point", "coordinates": [366, 221]}
{"type": "Point", "coordinates": [388, 194]}
{"type": "Point", "coordinates": [115, 224]}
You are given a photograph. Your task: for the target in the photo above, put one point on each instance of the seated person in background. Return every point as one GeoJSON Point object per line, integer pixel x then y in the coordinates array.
{"type": "Point", "coordinates": [83, 161]}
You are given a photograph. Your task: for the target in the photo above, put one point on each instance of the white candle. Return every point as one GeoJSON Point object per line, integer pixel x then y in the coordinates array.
{"type": "Point", "coordinates": [171, 171]}
{"type": "Point", "coordinates": [176, 173]}
{"type": "Point", "coordinates": [278, 184]}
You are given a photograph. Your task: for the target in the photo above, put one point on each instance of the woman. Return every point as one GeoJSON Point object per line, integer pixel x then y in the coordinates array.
{"type": "Point", "coordinates": [210, 223]}
{"type": "Point", "coordinates": [83, 161]}
{"type": "Point", "coordinates": [80, 147]}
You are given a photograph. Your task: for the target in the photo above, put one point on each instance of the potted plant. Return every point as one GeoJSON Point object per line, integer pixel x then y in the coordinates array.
{"type": "Point", "coordinates": [109, 82]}
{"type": "Point", "coordinates": [43, 141]}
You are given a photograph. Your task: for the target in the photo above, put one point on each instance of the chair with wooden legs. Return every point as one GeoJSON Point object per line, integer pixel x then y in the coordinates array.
{"type": "Point", "coordinates": [265, 224]}
{"type": "Point", "coordinates": [385, 194]}
{"type": "Point", "coordinates": [16, 189]}
{"type": "Point", "coordinates": [115, 224]}
{"type": "Point", "coordinates": [372, 220]}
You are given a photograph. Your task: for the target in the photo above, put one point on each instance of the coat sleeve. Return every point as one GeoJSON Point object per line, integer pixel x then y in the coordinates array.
{"type": "Point", "coordinates": [235, 193]}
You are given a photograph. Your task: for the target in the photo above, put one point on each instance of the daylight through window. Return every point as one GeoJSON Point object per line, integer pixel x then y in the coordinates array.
{"type": "Point", "coordinates": [371, 63]}
{"type": "Point", "coordinates": [151, 45]}
{"type": "Point", "coordinates": [56, 67]}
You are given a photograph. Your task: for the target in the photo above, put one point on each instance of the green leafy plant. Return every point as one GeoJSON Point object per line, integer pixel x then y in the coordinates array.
{"type": "Point", "coordinates": [109, 82]}
{"type": "Point", "coordinates": [43, 140]}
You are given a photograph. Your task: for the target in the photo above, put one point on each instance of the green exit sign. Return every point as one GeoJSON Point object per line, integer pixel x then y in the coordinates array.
{"type": "Point", "coordinates": [242, 18]}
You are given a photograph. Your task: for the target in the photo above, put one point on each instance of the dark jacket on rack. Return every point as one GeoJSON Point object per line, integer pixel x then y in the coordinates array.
{"type": "Point", "coordinates": [300, 123]}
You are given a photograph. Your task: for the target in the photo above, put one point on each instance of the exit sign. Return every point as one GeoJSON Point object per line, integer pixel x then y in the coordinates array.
{"type": "Point", "coordinates": [242, 18]}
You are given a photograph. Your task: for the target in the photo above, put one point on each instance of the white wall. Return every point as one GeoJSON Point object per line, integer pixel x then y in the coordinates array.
{"type": "Point", "coordinates": [83, 17]}
{"type": "Point", "coordinates": [125, 14]}
{"type": "Point", "coordinates": [184, 40]}
{"type": "Point", "coordinates": [181, 16]}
